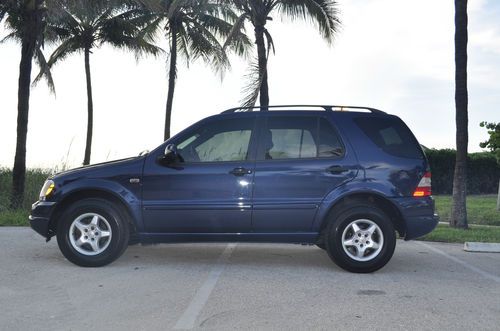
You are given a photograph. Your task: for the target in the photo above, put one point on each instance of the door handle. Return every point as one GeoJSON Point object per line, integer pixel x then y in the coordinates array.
{"type": "Point", "coordinates": [240, 171]}
{"type": "Point", "coordinates": [337, 169]}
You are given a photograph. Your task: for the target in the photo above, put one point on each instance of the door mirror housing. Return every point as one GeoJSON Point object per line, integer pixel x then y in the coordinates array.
{"type": "Point", "coordinates": [170, 155]}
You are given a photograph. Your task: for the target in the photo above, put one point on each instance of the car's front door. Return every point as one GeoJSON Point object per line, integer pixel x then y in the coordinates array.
{"type": "Point", "coordinates": [210, 191]}
{"type": "Point", "coordinates": [300, 160]}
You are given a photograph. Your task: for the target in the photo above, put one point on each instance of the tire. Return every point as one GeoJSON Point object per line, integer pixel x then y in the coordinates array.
{"type": "Point", "coordinates": [322, 246]}
{"type": "Point", "coordinates": [356, 227]}
{"type": "Point", "coordinates": [92, 233]}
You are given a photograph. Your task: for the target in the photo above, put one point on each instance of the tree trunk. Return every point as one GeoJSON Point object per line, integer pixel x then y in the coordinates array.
{"type": "Point", "coordinates": [23, 96]}
{"type": "Point", "coordinates": [172, 75]}
{"type": "Point", "coordinates": [90, 109]}
{"type": "Point", "coordinates": [31, 33]}
{"type": "Point", "coordinates": [262, 56]}
{"type": "Point", "coordinates": [459, 209]}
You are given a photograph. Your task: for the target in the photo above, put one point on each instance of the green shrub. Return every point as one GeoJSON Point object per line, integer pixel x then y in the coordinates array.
{"type": "Point", "coordinates": [34, 181]}
{"type": "Point", "coordinates": [483, 171]}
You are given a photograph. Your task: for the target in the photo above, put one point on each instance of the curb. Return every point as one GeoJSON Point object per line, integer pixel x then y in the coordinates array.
{"type": "Point", "coordinates": [473, 225]}
{"type": "Point", "coordinates": [482, 247]}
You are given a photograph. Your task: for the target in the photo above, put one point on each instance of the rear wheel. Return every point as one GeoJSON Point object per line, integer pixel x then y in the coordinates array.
{"type": "Point", "coordinates": [92, 233]}
{"type": "Point", "coordinates": [361, 239]}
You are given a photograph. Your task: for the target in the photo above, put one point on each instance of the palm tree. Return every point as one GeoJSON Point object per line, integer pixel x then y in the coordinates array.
{"type": "Point", "coordinates": [459, 208]}
{"type": "Point", "coordinates": [25, 19]}
{"type": "Point", "coordinates": [194, 29]}
{"type": "Point", "coordinates": [83, 26]}
{"type": "Point", "coordinates": [323, 13]}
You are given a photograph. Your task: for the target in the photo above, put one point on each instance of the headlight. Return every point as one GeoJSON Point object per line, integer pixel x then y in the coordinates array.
{"type": "Point", "coordinates": [47, 189]}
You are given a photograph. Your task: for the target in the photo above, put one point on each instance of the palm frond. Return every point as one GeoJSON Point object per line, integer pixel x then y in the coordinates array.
{"type": "Point", "coordinates": [151, 29]}
{"type": "Point", "coordinates": [270, 42]}
{"type": "Point", "coordinates": [44, 71]}
{"type": "Point", "coordinates": [183, 44]}
{"type": "Point", "coordinates": [54, 33]}
{"type": "Point", "coordinates": [202, 43]}
{"type": "Point", "coordinates": [221, 10]}
{"type": "Point", "coordinates": [251, 89]}
{"type": "Point", "coordinates": [3, 11]}
{"type": "Point", "coordinates": [66, 48]}
{"type": "Point", "coordinates": [149, 5]}
{"type": "Point", "coordinates": [13, 36]}
{"type": "Point", "coordinates": [217, 26]}
{"type": "Point", "coordinates": [237, 40]}
{"type": "Point", "coordinates": [174, 7]}
{"type": "Point", "coordinates": [322, 13]}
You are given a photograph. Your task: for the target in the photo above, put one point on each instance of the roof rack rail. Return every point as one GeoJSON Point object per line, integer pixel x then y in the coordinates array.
{"type": "Point", "coordinates": [324, 107]}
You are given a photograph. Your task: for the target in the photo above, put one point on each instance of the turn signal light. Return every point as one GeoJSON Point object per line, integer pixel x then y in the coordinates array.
{"type": "Point", "coordinates": [424, 186]}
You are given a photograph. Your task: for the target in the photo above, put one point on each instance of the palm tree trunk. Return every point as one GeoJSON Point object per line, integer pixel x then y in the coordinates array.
{"type": "Point", "coordinates": [262, 57]}
{"type": "Point", "coordinates": [90, 108]}
{"type": "Point", "coordinates": [31, 33]}
{"type": "Point", "coordinates": [459, 208]}
{"type": "Point", "coordinates": [172, 75]}
{"type": "Point", "coordinates": [23, 96]}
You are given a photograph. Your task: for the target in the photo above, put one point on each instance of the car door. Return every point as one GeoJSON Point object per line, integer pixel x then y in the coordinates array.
{"type": "Point", "coordinates": [300, 160]}
{"type": "Point", "coordinates": [211, 190]}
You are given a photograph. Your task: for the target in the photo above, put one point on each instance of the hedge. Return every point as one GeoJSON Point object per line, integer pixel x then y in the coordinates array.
{"type": "Point", "coordinates": [483, 171]}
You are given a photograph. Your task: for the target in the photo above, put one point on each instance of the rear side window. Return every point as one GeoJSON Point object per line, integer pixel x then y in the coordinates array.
{"type": "Point", "coordinates": [329, 144]}
{"type": "Point", "coordinates": [292, 137]}
{"type": "Point", "coordinates": [391, 135]}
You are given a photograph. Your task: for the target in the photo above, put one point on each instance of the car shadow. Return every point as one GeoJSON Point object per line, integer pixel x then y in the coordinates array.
{"type": "Point", "coordinates": [244, 254]}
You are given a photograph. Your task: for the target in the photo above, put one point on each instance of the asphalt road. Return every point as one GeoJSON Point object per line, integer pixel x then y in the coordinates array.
{"type": "Point", "coordinates": [245, 286]}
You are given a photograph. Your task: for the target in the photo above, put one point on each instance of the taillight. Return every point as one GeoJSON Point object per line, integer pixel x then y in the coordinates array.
{"type": "Point", "coordinates": [424, 186]}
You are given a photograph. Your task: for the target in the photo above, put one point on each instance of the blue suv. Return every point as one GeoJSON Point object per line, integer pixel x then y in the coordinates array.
{"type": "Point", "coordinates": [343, 178]}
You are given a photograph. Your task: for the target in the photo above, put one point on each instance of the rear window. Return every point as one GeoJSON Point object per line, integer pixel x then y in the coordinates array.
{"type": "Point", "coordinates": [391, 135]}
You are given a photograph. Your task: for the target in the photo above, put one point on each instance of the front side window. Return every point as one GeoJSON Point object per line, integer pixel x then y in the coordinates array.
{"type": "Point", "coordinates": [220, 141]}
{"type": "Point", "coordinates": [293, 137]}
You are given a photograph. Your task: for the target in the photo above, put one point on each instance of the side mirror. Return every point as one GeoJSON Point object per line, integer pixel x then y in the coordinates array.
{"type": "Point", "coordinates": [170, 156]}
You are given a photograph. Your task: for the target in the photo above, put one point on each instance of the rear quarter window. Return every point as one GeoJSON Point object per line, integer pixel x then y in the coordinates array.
{"type": "Point", "coordinates": [391, 135]}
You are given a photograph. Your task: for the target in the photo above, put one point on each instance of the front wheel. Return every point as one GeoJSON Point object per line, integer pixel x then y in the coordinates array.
{"type": "Point", "coordinates": [361, 239]}
{"type": "Point", "coordinates": [92, 233]}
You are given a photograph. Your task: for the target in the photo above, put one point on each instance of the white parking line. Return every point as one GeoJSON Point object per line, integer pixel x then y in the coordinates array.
{"type": "Point", "coordinates": [483, 273]}
{"type": "Point", "coordinates": [188, 318]}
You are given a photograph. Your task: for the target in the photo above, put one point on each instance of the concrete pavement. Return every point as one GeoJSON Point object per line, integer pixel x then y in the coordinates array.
{"type": "Point", "coordinates": [244, 286]}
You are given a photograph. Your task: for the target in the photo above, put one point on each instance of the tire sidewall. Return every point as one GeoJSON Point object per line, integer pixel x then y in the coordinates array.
{"type": "Point", "coordinates": [334, 239]}
{"type": "Point", "coordinates": [119, 232]}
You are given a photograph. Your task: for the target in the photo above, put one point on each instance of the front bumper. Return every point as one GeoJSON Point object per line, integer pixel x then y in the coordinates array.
{"type": "Point", "coordinates": [40, 217]}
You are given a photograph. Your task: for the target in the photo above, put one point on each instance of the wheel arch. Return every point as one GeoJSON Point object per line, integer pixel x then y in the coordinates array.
{"type": "Point", "coordinates": [373, 198]}
{"type": "Point", "coordinates": [99, 193]}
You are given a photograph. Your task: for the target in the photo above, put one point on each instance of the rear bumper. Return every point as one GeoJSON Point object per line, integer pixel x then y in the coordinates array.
{"type": "Point", "coordinates": [40, 217]}
{"type": "Point", "coordinates": [420, 226]}
{"type": "Point", "coordinates": [418, 214]}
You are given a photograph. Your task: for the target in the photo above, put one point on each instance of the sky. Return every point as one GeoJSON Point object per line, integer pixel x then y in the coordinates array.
{"type": "Point", "coordinates": [395, 55]}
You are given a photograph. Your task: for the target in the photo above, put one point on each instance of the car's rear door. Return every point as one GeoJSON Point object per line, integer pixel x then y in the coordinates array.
{"type": "Point", "coordinates": [300, 159]}
{"type": "Point", "coordinates": [211, 191]}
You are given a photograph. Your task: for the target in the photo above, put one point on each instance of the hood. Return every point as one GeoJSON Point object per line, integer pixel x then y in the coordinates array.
{"type": "Point", "coordinates": [105, 169]}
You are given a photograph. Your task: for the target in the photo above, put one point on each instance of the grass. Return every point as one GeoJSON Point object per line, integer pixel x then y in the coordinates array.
{"type": "Point", "coordinates": [34, 182]}
{"type": "Point", "coordinates": [476, 233]}
{"type": "Point", "coordinates": [481, 209]}
{"type": "Point", "coordinates": [14, 218]}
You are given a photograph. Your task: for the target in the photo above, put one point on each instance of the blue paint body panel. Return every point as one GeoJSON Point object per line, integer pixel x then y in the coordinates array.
{"type": "Point", "coordinates": [276, 201]}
